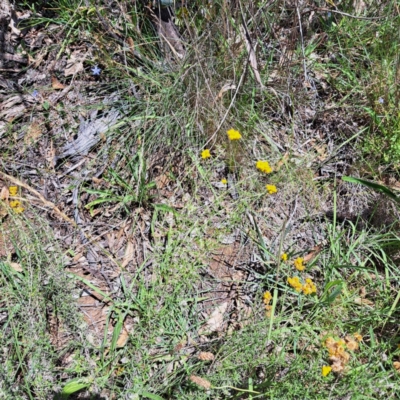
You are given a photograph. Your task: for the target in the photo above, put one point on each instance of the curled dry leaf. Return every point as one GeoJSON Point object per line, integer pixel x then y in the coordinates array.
{"type": "Point", "coordinates": [56, 84]}
{"type": "Point", "coordinates": [225, 88]}
{"type": "Point", "coordinates": [206, 356]}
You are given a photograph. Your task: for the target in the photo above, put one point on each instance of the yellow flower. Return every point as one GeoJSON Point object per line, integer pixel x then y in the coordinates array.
{"type": "Point", "coordinates": [267, 297]}
{"type": "Point", "coordinates": [271, 189]}
{"type": "Point", "coordinates": [15, 203]}
{"type": "Point", "coordinates": [224, 181]}
{"type": "Point", "coordinates": [358, 337]}
{"type": "Point", "coordinates": [309, 287]}
{"type": "Point", "coordinates": [284, 257]}
{"type": "Point", "coordinates": [326, 369]}
{"type": "Point", "coordinates": [295, 283]}
{"type": "Point", "coordinates": [13, 190]}
{"type": "Point", "coordinates": [234, 134]}
{"type": "Point", "coordinates": [205, 154]}
{"type": "Point", "coordinates": [268, 310]}
{"type": "Point", "coordinates": [298, 263]}
{"type": "Point", "coordinates": [19, 209]}
{"type": "Point", "coordinates": [264, 166]}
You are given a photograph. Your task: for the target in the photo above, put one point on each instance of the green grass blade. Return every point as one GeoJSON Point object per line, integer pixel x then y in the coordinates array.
{"type": "Point", "coordinates": [372, 185]}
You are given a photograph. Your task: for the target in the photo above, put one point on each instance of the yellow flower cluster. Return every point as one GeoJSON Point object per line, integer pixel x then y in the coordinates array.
{"type": "Point", "coordinates": [234, 134]}
{"type": "Point", "coordinates": [284, 257]}
{"type": "Point", "coordinates": [15, 204]}
{"type": "Point", "coordinates": [308, 288]}
{"type": "Point", "coordinates": [264, 166]}
{"type": "Point", "coordinates": [295, 283]}
{"type": "Point", "coordinates": [271, 189]}
{"type": "Point", "coordinates": [267, 297]}
{"type": "Point", "coordinates": [224, 181]}
{"type": "Point", "coordinates": [205, 154]}
{"type": "Point", "coordinates": [338, 356]}
{"type": "Point", "coordinates": [298, 263]}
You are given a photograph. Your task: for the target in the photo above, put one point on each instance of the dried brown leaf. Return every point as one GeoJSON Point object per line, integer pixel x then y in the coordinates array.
{"type": "Point", "coordinates": [15, 266]}
{"type": "Point", "coordinates": [75, 65]}
{"type": "Point", "coordinates": [56, 84]}
{"type": "Point", "coordinates": [313, 253]}
{"type": "Point", "coordinates": [123, 338]}
{"type": "Point", "coordinates": [216, 320]}
{"type": "Point", "coordinates": [131, 44]}
{"type": "Point", "coordinates": [363, 302]}
{"type": "Point", "coordinates": [162, 181]}
{"type": "Point", "coordinates": [129, 253]}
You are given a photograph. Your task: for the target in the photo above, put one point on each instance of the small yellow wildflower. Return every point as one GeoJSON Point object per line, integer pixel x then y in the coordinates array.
{"type": "Point", "coordinates": [326, 369]}
{"type": "Point", "coordinates": [284, 257]}
{"type": "Point", "coordinates": [358, 337]}
{"type": "Point", "coordinates": [295, 283]}
{"type": "Point", "coordinates": [15, 203]}
{"type": "Point", "coordinates": [271, 189]}
{"type": "Point", "coordinates": [267, 297]}
{"type": "Point", "coordinates": [224, 181]}
{"type": "Point", "coordinates": [19, 209]}
{"type": "Point", "coordinates": [298, 263]}
{"type": "Point", "coordinates": [268, 310]}
{"type": "Point", "coordinates": [205, 154]}
{"type": "Point", "coordinates": [234, 134]}
{"type": "Point", "coordinates": [309, 287]}
{"type": "Point", "coordinates": [13, 190]}
{"type": "Point", "coordinates": [264, 166]}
